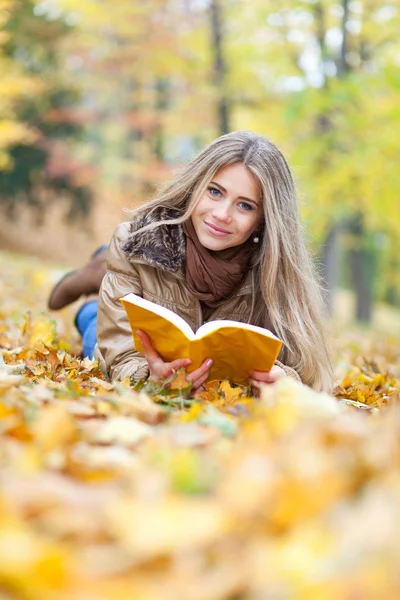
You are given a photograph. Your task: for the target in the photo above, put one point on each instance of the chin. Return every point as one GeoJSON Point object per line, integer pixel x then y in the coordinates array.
{"type": "Point", "coordinates": [214, 245]}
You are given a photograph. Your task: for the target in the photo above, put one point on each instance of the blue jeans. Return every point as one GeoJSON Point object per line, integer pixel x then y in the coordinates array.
{"type": "Point", "coordinates": [85, 322]}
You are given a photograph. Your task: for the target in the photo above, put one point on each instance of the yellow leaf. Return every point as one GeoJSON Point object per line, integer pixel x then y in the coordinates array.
{"type": "Point", "coordinates": [194, 411]}
{"type": "Point", "coordinates": [54, 427]}
{"type": "Point", "coordinates": [40, 331]}
{"type": "Point", "coordinates": [179, 382]}
{"type": "Point", "coordinates": [229, 392]}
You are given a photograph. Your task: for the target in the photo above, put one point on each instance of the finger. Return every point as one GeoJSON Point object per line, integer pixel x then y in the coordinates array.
{"type": "Point", "coordinates": [199, 382]}
{"type": "Point", "coordinates": [259, 374]}
{"type": "Point", "coordinates": [161, 370]}
{"type": "Point", "coordinates": [200, 375]}
{"type": "Point", "coordinates": [204, 369]}
{"type": "Point", "coordinates": [180, 363]}
{"type": "Point", "coordinates": [257, 384]}
{"type": "Point", "coordinates": [149, 351]}
{"type": "Point", "coordinates": [277, 372]}
{"type": "Point", "coordinates": [255, 391]}
{"type": "Point", "coordinates": [254, 383]}
{"type": "Point", "coordinates": [262, 376]}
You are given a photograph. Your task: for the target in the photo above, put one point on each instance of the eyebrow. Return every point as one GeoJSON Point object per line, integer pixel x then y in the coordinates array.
{"type": "Point", "coordinates": [241, 197]}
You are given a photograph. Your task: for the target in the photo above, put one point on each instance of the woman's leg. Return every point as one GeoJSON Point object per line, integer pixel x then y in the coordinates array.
{"type": "Point", "coordinates": [85, 322]}
{"type": "Point", "coordinates": [81, 282]}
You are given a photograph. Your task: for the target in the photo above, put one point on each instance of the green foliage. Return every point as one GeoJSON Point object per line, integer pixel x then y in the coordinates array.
{"type": "Point", "coordinates": [133, 90]}
{"type": "Point", "coordinates": [40, 167]}
{"type": "Point", "coordinates": [335, 111]}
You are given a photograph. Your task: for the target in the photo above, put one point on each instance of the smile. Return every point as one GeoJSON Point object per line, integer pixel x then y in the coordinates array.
{"type": "Point", "coordinates": [217, 230]}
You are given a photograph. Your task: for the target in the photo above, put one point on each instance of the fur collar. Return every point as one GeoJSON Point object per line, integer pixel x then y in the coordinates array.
{"type": "Point", "coordinates": [163, 247]}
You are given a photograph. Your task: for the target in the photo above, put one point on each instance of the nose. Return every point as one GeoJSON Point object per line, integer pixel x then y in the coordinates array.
{"type": "Point", "coordinates": [222, 212]}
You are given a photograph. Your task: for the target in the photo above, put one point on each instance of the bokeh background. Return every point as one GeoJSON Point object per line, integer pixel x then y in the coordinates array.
{"type": "Point", "coordinates": [100, 101]}
{"type": "Point", "coordinates": [114, 495]}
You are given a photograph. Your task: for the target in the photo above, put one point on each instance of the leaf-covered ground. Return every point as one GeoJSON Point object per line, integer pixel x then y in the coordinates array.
{"type": "Point", "coordinates": [107, 493]}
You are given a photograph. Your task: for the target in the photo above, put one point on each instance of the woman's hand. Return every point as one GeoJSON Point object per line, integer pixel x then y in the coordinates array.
{"type": "Point", "coordinates": [161, 370]}
{"type": "Point", "coordinates": [263, 377]}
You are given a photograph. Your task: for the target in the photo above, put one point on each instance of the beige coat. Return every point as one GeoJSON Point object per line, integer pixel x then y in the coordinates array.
{"type": "Point", "coordinates": [151, 265]}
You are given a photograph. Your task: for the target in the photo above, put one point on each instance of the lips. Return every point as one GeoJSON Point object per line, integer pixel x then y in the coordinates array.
{"type": "Point", "coordinates": [216, 230]}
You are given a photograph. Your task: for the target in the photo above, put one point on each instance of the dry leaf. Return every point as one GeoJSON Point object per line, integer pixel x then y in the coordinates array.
{"type": "Point", "coordinates": [119, 430]}
{"type": "Point", "coordinates": [108, 493]}
{"type": "Point", "coordinates": [54, 427]}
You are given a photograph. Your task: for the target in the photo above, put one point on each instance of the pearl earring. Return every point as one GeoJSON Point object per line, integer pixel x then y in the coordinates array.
{"type": "Point", "coordinates": [256, 239]}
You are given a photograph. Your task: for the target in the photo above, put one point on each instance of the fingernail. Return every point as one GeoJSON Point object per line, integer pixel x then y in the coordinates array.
{"type": "Point", "coordinates": [209, 362]}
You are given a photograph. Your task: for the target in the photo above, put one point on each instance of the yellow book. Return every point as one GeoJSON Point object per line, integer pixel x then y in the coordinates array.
{"type": "Point", "coordinates": [236, 348]}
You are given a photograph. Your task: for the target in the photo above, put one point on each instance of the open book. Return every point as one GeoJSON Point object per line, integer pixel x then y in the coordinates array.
{"type": "Point", "coordinates": [236, 348]}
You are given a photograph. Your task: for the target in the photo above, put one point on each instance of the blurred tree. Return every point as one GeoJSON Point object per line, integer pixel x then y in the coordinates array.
{"type": "Point", "coordinates": [335, 110]}
{"type": "Point", "coordinates": [218, 51]}
{"type": "Point", "coordinates": [148, 83]}
{"type": "Point", "coordinates": [41, 167]}
{"type": "Point", "coordinates": [15, 84]}
{"type": "Point", "coordinates": [154, 81]}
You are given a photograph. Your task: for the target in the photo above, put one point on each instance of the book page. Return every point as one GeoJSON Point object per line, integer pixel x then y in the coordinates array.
{"type": "Point", "coordinates": [168, 333]}
{"type": "Point", "coordinates": [211, 326]}
{"type": "Point", "coordinates": [163, 312]}
{"type": "Point", "coordinates": [236, 349]}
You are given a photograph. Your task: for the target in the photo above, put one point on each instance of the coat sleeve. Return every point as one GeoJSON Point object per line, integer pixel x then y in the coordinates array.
{"type": "Point", "coordinates": [288, 370]}
{"type": "Point", "coordinates": [114, 334]}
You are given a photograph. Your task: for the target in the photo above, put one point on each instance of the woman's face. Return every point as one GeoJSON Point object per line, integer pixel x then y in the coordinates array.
{"type": "Point", "coordinates": [231, 209]}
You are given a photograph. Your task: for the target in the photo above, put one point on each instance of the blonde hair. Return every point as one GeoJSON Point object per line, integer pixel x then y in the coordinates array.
{"type": "Point", "coordinates": [289, 300]}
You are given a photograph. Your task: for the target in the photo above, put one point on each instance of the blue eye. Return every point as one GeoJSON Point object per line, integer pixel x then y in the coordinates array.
{"type": "Point", "coordinates": [214, 192]}
{"type": "Point", "coordinates": [246, 206]}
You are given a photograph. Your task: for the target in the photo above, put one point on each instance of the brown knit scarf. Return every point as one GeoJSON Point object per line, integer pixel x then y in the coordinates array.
{"type": "Point", "coordinates": [213, 277]}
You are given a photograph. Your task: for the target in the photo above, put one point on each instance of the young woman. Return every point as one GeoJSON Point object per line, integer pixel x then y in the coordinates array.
{"type": "Point", "coordinates": [221, 241]}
